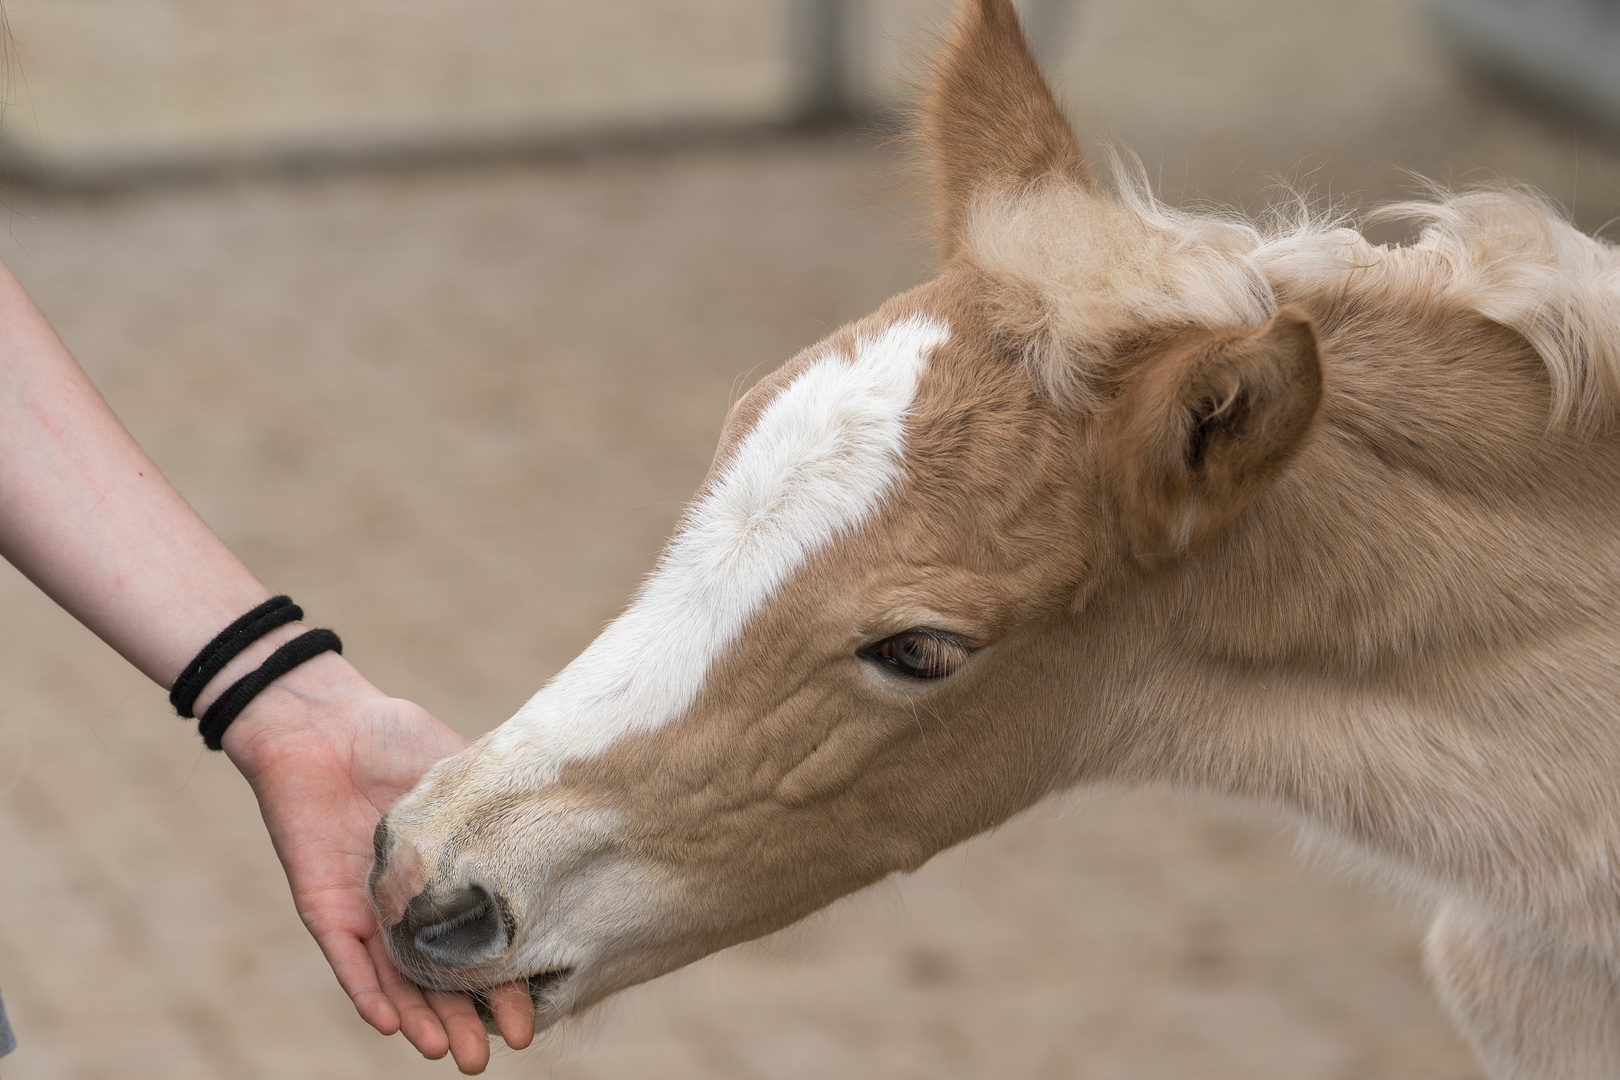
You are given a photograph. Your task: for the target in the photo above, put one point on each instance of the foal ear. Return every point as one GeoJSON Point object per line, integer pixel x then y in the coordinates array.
{"type": "Point", "coordinates": [990, 116]}
{"type": "Point", "coordinates": [1205, 426]}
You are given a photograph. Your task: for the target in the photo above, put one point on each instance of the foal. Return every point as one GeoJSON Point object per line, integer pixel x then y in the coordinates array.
{"type": "Point", "coordinates": [1124, 494]}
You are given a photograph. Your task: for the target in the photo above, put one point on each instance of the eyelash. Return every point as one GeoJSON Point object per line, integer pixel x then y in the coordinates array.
{"type": "Point", "coordinates": [918, 653]}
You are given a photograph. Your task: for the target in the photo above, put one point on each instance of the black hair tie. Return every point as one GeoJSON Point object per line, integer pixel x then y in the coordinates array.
{"type": "Point", "coordinates": [227, 646]}
{"type": "Point", "coordinates": [228, 705]}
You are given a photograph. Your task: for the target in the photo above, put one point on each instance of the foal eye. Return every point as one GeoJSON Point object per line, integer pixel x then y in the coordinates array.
{"type": "Point", "coordinates": [919, 653]}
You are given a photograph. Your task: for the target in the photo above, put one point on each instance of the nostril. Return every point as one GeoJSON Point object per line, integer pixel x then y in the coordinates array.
{"type": "Point", "coordinates": [467, 930]}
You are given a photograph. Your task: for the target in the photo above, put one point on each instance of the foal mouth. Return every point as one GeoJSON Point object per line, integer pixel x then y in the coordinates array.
{"type": "Point", "coordinates": [540, 983]}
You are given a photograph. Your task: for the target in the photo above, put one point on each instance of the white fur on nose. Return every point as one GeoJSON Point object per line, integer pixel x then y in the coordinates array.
{"type": "Point", "coordinates": [816, 463]}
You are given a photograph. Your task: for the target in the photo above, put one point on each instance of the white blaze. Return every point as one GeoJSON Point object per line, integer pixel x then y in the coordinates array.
{"type": "Point", "coordinates": [817, 462]}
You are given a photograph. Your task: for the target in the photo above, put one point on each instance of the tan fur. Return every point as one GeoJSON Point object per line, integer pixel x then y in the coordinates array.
{"type": "Point", "coordinates": [994, 122]}
{"type": "Point", "coordinates": [1079, 276]}
{"type": "Point", "coordinates": [1204, 426]}
{"type": "Point", "coordinates": [1279, 514]}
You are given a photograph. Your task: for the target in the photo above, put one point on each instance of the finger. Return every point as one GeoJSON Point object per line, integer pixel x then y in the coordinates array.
{"type": "Point", "coordinates": [357, 974]}
{"type": "Point", "coordinates": [513, 1010]}
{"type": "Point", "coordinates": [417, 1019]}
{"type": "Point", "coordinates": [469, 1042]}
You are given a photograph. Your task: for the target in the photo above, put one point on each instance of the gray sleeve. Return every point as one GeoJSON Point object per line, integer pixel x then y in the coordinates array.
{"type": "Point", "coordinates": [8, 1041]}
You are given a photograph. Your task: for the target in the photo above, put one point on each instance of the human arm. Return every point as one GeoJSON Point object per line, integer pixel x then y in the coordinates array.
{"type": "Point", "coordinates": [86, 515]}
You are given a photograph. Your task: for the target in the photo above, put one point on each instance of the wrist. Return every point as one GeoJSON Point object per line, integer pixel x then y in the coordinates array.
{"type": "Point", "coordinates": [319, 698]}
{"type": "Point", "coordinates": [244, 662]}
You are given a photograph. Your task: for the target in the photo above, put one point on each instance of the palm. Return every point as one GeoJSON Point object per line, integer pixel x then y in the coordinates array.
{"type": "Point", "coordinates": [322, 782]}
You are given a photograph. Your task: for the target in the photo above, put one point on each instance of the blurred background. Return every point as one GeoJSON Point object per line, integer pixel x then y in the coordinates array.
{"type": "Point", "coordinates": [434, 310]}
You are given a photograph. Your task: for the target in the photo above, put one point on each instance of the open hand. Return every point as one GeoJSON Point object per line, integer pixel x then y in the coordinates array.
{"type": "Point", "coordinates": [327, 754]}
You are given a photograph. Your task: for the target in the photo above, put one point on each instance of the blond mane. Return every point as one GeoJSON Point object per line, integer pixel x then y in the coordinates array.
{"type": "Point", "coordinates": [1082, 274]}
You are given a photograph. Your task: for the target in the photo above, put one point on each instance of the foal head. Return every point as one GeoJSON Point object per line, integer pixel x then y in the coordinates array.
{"type": "Point", "coordinates": [858, 648]}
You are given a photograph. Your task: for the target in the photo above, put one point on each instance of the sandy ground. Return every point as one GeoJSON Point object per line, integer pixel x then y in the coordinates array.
{"type": "Point", "coordinates": [454, 412]}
